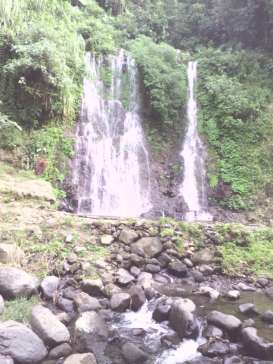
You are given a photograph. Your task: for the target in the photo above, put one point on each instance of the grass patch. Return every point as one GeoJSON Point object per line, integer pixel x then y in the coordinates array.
{"type": "Point", "coordinates": [253, 258]}
{"type": "Point", "coordinates": [19, 309]}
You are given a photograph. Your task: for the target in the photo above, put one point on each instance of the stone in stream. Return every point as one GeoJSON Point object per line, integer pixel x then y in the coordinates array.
{"type": "Point", "coordinates": [152, 268]}
{"type": "Point", "coordinates": [123, 277]}
{"type": "Point", "coordinates": [209, 292]}
{"type": "Point", "coordinates": [267, 316]}
{"type": "Point", "coordinates": [145, 280]}
{"type": "Point", "coordinates": [135, 271]}
{"type": "Point", "coordinates": [233, 294]}
{"type": "Point", "coordinates": [248, 309]}
{"type": "Point", "coordinates": [49, 286]}
{"type": "Point", "coordinates": [120, 301]}
{"type": "Point", "coordinates": [244, 287]}
{"type": "Point", "coordinates": [269, 292]}
{"type": "Point", "coordinates": [138, 297]}
{"type": "Point", "coordinates": [178, 269]}
{"type": "Point", "coordinates": [213, 331]}
{"type": "Point", "coordinates": [226, 322]}
{"type": "Point", "coordinates": [148, 247]}
{"type": "Point", "coordinates": [87, 358]}
{"type": "Point", "coordinates": [21, 343]}
{"type": "Point", "coordinates": [15, 282]}
{"type": "Point", "coordinates": [215, 347]}
{"type": "Point", "coordinates": [48, 327]}
{"type": "Point", "coordinates": [133, 355]}
{"type": "Point", "coordinates": [255, 345]}
{"type": "Point", "coordinates": [128, 236]}
{"type": "Point", "coordinates": [182, 318]}
{"type": "Point", "coordinates": [161, 312]}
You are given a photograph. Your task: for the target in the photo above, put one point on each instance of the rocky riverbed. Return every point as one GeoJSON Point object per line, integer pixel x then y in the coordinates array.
{"type": "Point", "coordinates": [149, 302]}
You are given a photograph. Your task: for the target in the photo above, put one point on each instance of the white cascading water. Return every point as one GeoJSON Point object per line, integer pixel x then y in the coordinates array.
{"type": "Point", "coordinates": [193, 189]}
{"type": "Point", "coordinates": [111, 169]}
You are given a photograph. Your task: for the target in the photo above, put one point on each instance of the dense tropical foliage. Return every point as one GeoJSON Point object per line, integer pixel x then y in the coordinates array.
{"type": "Point", "coordinates": [42, 47]}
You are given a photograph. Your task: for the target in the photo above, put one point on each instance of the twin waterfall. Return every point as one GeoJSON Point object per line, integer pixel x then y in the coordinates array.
{"type": "Point", "coordinates": [111, 170]}
{"type": "Point", "coordinates": [193, 189]}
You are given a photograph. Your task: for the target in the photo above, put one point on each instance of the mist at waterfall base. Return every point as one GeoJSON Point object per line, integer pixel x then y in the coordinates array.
{"type": "Point", "coordinates": [193, 188]}
{"type": "Point", "coordinates": [111, 172]}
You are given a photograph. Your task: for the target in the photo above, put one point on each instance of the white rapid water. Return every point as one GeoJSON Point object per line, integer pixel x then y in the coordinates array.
{"type": "Point", "coordinates": [111, 169]}
{"type": "Point", "coordinates": [187, 350]}
{"type": "Point", "coordinates": [193, 189]}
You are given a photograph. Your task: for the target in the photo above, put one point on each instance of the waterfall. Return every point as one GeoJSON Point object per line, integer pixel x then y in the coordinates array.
{"type": "Point", "coordinates": [193, 189]}
{"type": "Point", "coordinates": [111, 172]}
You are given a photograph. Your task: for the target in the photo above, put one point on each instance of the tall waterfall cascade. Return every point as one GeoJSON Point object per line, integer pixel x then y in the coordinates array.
{"type": "Point", "coordinates": [193, 188]}
{"type": "Point", "coordinates": [111, 172]}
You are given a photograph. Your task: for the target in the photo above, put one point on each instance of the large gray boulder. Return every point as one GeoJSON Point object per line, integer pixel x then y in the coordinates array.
{"type": "Point", "coordinates": [123, 277]}
{"type": "Point", "coordinates": [138, 297]}
{"type": "Point", "coordinates": [94, 287]}
{"type": "Point", "coordinates": [21, 343]}
{"type": "Point", "coordinates": [91, 334]}
{"type": "Point", "coordinates": [226, 322]}
{"type": "Point", "coordinates": [203, 256]}
{"type": "Point", "coordinates": [255, 345]}
{"type": "Point", "coordinates": [120, 301]}
{"type": "Point", "coordinates": [60, 351]}
{"type": "Point", "coordinates": [48, 327]}
{"type": "Point", "coordinates": [88, 358]}
{"type": "Point", "coordinates": [49, 286]}
{"type": "Point", "coordinates": [178, 269]}
{"type": "Point", "coordinates": [128, 236]}
{"type": "Point", "coordinates": [84, 302]}
{"type": "Point", "coordinates": [182, 318]}
{"type": "Point", "coordinates": [148, 247]}
{"type": "Point", "coordinates": [15, 282]}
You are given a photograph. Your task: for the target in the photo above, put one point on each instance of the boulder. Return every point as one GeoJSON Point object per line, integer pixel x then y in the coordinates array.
{"type": "Point", "coordinates": [60, 351]}
{"type": "Point", "coordinates": [106, 239]}
{"type": "Point", "coordinates": [21, 343]}
{"type": "Point", "coordinates": [244, 287]}
{"type": "Point", "coordinates": [65, 304]}
{"type": "Point", "coordinates": [133, 355]}
{"type": "Point", "coordinates": [91, 334]}
{"type": "Point", "coordinates": [128, 236]}
{"type": "Point", "coordinates": [152, 268]}
{"type": "Point", "coordinates": [145, 280]}
{"type": "Point", "coordinates": [215, 348]}
{"type": "Point", "coordinates": [88, 358]}
{"type": "Point", "coordinates": [213, 331]}
{"type": "Point", "coordinates": [255, 345]}
{"type": "Point", "coordinates": [94, 287]}
{"type": "Point", "coordinates": [138, 297]}
{"type": "Point", "coordinates": [203, 256]}
{"type": "Point", "coordinates": [226, 322]}
{"type": "Point", "coordinates": [11, 254]}
{"type": "Point", "coordinates": [209, 292]}
{"type": "Point", "coordinates": [161, 312]}
{"type": "Point", "coordinates": [6, 360]}
{"type": "Point", "coordinates": [84, 302]}
{"type": "Point", "coordinates": [15, 283]}
{"type": "Point", "coordinates": [48, 327]}
{"type": "Point", "coordinates": [182, 318]}
{"type": "Point", "coordinates": [178, 269]}
{"type": "Point", "coordinates": [148, 247]}
{"type": "Point", "coordinates": [267, 316]}
{"type": "Point", "coordinates": [248, 309]}
{"type": "Point", "coordinates": [120, 302]}
{"type": "Point", "coordinates": [123, 277]}
{"type": "Point", "coordinates": [233, 294]}
{"type": "Point", "coordinates": [49, 286]}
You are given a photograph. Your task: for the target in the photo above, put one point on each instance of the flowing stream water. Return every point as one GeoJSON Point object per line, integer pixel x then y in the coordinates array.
{"type": "Point", "coordinates": [193, 189]}
{"type": "Point", "coordinates": [111, 172]}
